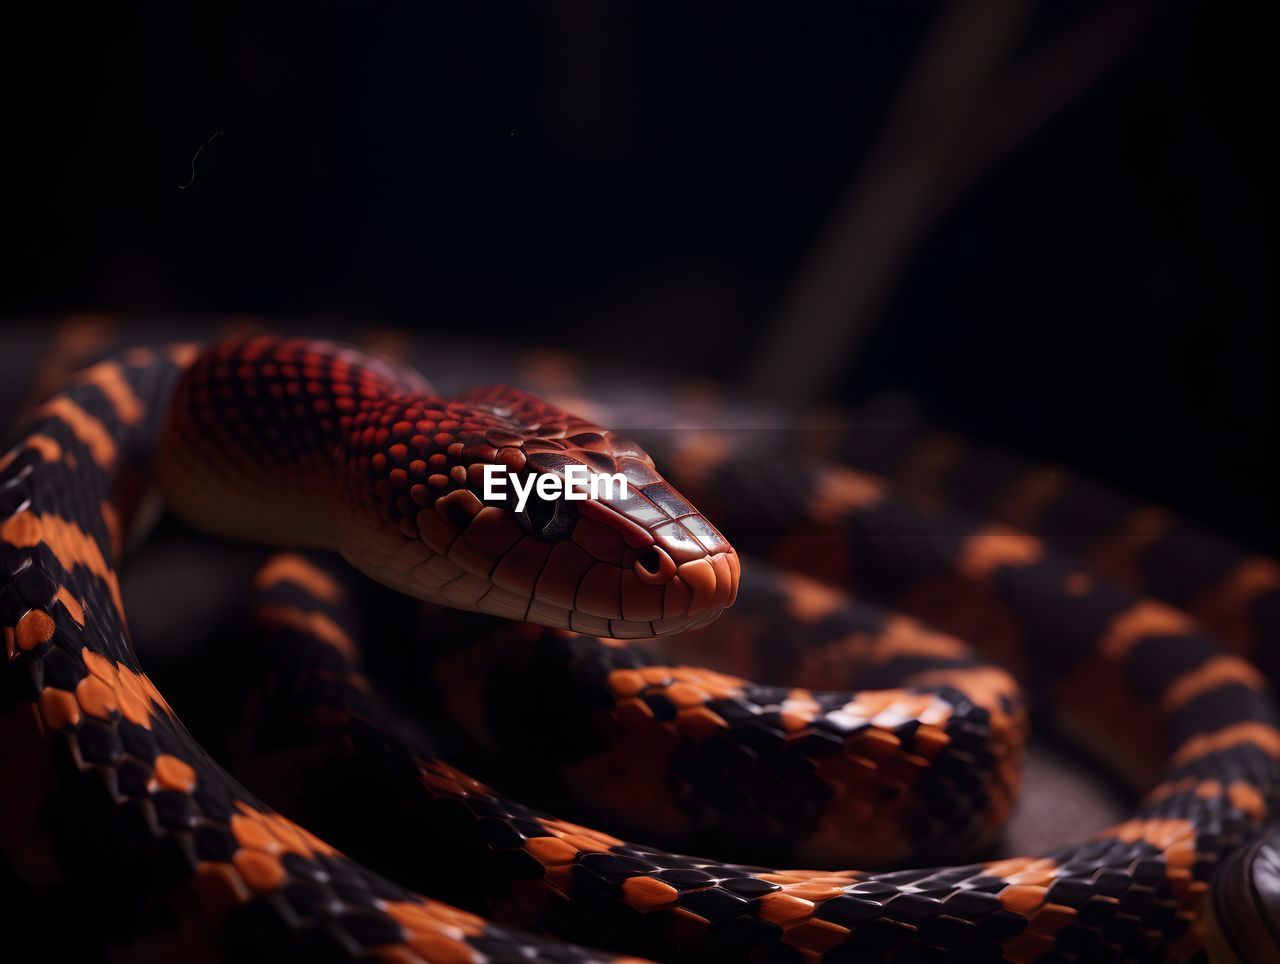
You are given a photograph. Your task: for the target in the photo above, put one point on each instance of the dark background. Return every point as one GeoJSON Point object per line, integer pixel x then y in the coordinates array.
{"type": "Point", "coordinates": [1050, 222]}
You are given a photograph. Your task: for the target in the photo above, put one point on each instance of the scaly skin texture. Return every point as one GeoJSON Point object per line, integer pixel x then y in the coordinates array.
{"type": "Point", "coordinates": [322, 448]}
{"type": "Point", "coordinates": [349, 456]}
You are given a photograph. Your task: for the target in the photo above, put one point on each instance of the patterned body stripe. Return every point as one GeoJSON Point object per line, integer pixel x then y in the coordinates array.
{"type": "Point", "coordinates": [184, 835]}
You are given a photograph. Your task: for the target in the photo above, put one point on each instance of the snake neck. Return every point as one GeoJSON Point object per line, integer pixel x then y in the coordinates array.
{"type": "Point", "coordinates": [257, 436]}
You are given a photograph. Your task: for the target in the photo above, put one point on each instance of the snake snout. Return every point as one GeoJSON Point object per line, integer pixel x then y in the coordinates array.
{"type": "Point", "coordinates": [712, 582]}
{"type": "Point", "coordinates": [695, 587]}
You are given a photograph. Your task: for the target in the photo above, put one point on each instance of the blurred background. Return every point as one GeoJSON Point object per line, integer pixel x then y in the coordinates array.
{"type": "Point", "coordinates": [1048, 223]}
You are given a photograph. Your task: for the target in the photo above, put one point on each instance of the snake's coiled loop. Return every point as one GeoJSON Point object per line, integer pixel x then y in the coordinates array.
{"type": "Point", "coordinates": [310, 443]}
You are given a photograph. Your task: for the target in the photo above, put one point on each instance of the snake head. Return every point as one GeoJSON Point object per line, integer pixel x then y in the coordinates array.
{"type": "Point", "coordinates": [630, 558]}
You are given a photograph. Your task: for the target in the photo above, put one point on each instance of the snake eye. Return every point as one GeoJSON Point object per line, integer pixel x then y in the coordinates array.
{"type": "Point", "coordinates": [548, 518]}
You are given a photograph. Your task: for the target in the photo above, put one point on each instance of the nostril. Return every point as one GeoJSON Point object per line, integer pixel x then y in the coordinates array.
{"type": "Point", "coordinates": [650, 561]}
{"type": "Point", "coordinates": [654, 567]}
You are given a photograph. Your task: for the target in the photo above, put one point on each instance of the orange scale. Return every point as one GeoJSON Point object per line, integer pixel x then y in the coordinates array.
{"type": "Point", "coordinates": [471, 783]}
{"type": "Point", "coordinates": [550, 850]}
{"type": "Point", "coordinates": [686, 694]}
{"type": "Point", "coordinates": [626, 682]}
{"type": "Point", "coordinates": [647, 893]}
{"type": "Point", "coordinates": [867, 704]}
{"type": "Point", "coordinates": [723, 687]}
{"type": "Point", "coordinates": [292, 837]}
{"type": "Point", "coordinates": [586, 844]}
{"type": "Point", "coordinates": [816, 890]}
{"type": "Point", "coordinates": [1022, 899]}
{"type": "Point", "coordinates": [724, 581]}
{"type": "Point", "coordinates": [252, 834]}
{"type": "Point", "coordinates": [1128, 832]}
{"type": "Point", "coordinates": [1246, 797]}
{"type": "Point", "coordinates": [802, 702]}
{"type": "Point", "coordinates": [59, 709]}
{"type": "Point", "coordinates": [929, 740]}
{"type": "Point", "coordinates": [260, 871]}
{"type": "Point", "coordinates": [132, 707]}
{"type": "Point", "coordinates": [96, 697]}
{"type": "Point", "coordinates": [34, 628]}
{"type": "Point", "coordinates": [656, 675]}
{"type": "Point", "coordinates": [444, 784]}
{"type": "Point", "coordinates": [841, 880]}
{"type": "Point", "coordinates": [174, 774]}
{"type": "Point", "coordinates": [1208, 789]}
{"type": "Point", "coordinates": [457, 921]}
{"type": "Point", "coordinates": [410, 915]}
{"type": "Point", "coordinates": [22, 530]}
{"type": "Point", "coordinates": [700, 576]}
{"type": "Point", "coordinates": [1032, 877]}
{"type": "Point", "coordinates": [71, 604]}
{"type": "Point", "coordinates": [783, 908]}
{"type": "Point", "coordinates": [793, 722]}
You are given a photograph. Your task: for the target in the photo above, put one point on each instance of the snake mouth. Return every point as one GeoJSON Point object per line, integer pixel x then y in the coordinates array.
{"type": "Point", "coordinates": [689, 596]}
{"type": "Point", "coordinates": [644, 592]}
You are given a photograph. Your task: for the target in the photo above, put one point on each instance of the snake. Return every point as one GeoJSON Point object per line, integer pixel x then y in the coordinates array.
{"type": "Point", "coordinates": [894, 741]}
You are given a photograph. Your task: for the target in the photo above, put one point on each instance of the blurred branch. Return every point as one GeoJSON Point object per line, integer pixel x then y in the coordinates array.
{"type": "Point", "coordinates": [1030, 93]}
{"type": "Point", "coordinates": [956, 118]}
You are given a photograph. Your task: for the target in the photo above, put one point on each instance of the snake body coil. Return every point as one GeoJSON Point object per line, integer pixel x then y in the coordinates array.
{"type": "Point", "coordinates": [297, 442]}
